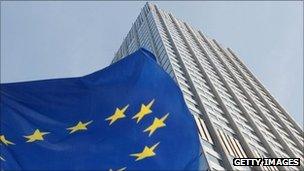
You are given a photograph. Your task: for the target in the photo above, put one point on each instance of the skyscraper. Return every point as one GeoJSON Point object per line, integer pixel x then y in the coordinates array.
{"type": "Point", "coordinates": [235, 114]}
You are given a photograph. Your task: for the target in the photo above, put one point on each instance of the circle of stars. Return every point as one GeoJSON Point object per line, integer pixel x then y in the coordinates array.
{"type": "Point", "coordinates": [146, 109]}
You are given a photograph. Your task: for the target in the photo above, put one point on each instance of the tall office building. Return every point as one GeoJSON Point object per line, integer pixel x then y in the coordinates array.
{"type": "Point", "coordinates": [235, 114]}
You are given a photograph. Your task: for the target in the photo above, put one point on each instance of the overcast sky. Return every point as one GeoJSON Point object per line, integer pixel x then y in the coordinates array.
{"type": "Point", "coordinates": [43, 40]}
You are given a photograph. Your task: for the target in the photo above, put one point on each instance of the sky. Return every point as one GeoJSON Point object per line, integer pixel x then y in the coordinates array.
{"type": "Point", "coordinates": [44, 40]}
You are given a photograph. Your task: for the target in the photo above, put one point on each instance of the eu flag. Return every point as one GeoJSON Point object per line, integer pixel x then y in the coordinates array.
{"type": "Point", "coordinates": [128, 116]}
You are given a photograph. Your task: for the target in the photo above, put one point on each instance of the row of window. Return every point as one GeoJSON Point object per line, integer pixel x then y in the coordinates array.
{"type": "Point", "coordinates": [252, 145]}
{"type": "Point", "coordinates": [253, 112]}
{"type": "Point", "coordinates": [261, 90]}
{"type": "Point", "coordinates": [231, 145]}
{"type": "Point", "coordinates": [248, 132]}
{"type": "Point", "coordinates": [221, 89]}
{"type": "Point", "coordinates": [187, 92]}
{"type": "Point", "coordinates": [277, 110]}
{"type": "Point", "coordinates": [186, 54]}
{"type": "Point", "coordinates": [202, 129]}
{"type": "Point", "coordinates": [269, 101]}
{"type": "Point", "coordinates": [193, 69]}
{"type": "Point", "coordinates": [261, 105]}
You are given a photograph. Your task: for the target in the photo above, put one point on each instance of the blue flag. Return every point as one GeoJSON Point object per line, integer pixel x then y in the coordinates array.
{"type": "Point", "coordinates": [128, 116]}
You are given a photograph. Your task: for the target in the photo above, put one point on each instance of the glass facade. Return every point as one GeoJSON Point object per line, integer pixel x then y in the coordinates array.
{"type": "Point", "coordinates": [235, 115]}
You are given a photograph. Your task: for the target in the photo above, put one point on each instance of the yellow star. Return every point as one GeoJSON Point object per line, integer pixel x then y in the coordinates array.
{"type": "Point", "coordinates": [157, 123]}
{"type": "Point", "coordinates": [79, 126]}
{"type": "Point", "coordinates": [147, 152]}
{"type": "Point", "coordinates": [119, 113]}
{"type": "Point", "coordinates": [144, 110]}
{"type": "Point", "coordinates": [5, 141]}
{"type": "Point", "coordinates": [36, 136]}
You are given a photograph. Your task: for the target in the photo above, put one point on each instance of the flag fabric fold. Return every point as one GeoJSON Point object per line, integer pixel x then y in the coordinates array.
{"type": "Point", "coordinates": [128, 116]}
